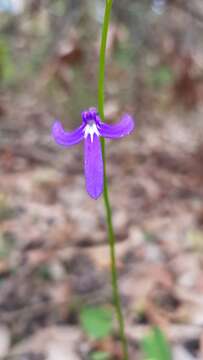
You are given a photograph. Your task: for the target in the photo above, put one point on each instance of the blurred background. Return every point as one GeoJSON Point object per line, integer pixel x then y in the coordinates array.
{"type": "Point", "coordinates": [55, 290]}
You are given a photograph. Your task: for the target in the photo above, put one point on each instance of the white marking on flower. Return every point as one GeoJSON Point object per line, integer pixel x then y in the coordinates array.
{"type": "Point", "coordinates": [91, 129]}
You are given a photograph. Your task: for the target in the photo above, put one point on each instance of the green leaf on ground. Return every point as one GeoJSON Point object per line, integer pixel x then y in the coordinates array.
{"type": "Point", "coordinates": [155, 346]}
{"type": "Point", "coordinates": [100, 355]}
{"type": "Point", "coordinates": [97, 322]}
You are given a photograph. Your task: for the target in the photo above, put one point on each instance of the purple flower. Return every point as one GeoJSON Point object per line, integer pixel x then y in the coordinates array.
{"type": "Point", "coordinates": [91, 129]}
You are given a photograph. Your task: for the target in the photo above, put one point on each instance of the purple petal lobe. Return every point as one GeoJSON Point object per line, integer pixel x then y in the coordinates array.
{"type": "Point", "coordinates": [65, 138]}
{"type": "Point", "coordinates": [93, 164]}
{"type": "Point", "coordinates": [122, 128]}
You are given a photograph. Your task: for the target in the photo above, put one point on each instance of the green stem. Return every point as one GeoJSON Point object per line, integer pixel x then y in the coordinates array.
{"type": "Point", "coordinates": [111, 235]}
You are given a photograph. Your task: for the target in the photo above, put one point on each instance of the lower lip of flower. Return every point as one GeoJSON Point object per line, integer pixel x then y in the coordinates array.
{"type": "Point", "coordinates": [91, 129]}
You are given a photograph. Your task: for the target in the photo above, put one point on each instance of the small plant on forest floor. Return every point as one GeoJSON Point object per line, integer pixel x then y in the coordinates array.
{"type": "Point", "coordinates": [155, 346]}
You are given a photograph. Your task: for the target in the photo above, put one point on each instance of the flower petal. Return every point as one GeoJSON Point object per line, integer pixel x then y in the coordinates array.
{"type": "Point", "coordinates": [65, 138]}
{"type": "Point", "coordinates": [93, 164]}
{"type": "Point", "coordinates": [122, 128]}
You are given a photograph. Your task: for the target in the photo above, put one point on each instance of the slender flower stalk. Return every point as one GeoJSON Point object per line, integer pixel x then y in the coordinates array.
{"type": "Point", "coordinates": [93, 131]}
{"type": "Point", "coordinates": [111, 234]}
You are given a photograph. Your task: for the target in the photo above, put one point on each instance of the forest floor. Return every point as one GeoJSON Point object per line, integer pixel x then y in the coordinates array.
{"type": "Point", "coordinates": [54, 255]}
{"type": "Point", "coordinates": [53, 246]}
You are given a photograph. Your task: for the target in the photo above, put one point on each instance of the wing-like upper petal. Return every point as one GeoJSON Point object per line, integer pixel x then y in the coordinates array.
{"type": "Point", "coordinates": [124, 127]}
{"type": "Point", "coordinates": [65, 138]}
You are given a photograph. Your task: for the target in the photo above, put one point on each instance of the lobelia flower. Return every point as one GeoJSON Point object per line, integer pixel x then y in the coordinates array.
{"type": "Point", "coordinates": [90, 130]}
